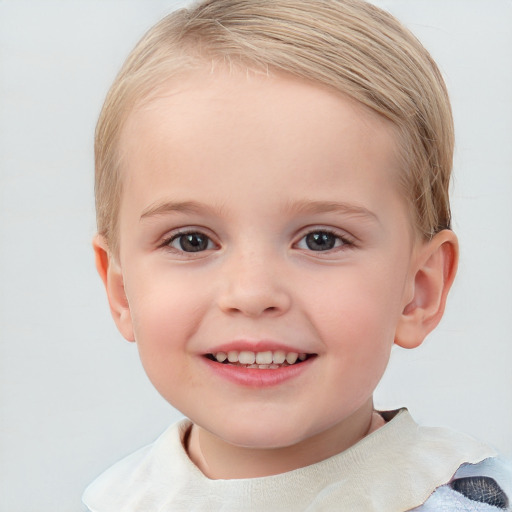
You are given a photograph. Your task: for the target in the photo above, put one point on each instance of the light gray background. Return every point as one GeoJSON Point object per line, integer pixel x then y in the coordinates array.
{"type": "Point", "coordinates": [73, 398]}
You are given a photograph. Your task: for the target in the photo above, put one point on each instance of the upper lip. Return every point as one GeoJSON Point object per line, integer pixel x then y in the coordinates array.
{"type": "Point", "coordinates": [256, 346]}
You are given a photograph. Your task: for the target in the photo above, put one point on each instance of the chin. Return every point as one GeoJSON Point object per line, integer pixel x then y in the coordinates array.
{"type": "Point", "coordinates": [263, 435]}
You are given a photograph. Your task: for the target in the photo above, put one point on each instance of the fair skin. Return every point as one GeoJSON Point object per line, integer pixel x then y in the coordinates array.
{"type": "Point", "coordinates": [262, 215]}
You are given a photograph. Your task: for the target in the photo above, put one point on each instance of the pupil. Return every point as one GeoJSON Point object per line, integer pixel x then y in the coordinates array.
{"type": "Point", "coordinates": [320, 241]}
{"type": "Point", "coordinates": [193, 242]}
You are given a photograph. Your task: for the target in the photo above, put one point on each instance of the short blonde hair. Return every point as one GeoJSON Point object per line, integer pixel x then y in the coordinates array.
{"type": "Point", "coordinates": [348, 45]}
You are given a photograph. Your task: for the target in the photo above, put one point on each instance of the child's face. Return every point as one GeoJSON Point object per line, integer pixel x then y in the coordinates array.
{"type": "Point", "coordinates": [262, 215]}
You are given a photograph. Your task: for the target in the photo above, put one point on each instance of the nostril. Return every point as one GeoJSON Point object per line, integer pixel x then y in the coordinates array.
{"type": "Point", "coordinates": [253, 300]}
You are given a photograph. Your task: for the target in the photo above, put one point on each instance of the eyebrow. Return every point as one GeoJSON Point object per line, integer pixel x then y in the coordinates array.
{"type": "Point", "coordinates": [313, 207]}
{"type": "Point", "coordinates": [167, 207]}
{"type": "Point", "coordinates": [303, 207]}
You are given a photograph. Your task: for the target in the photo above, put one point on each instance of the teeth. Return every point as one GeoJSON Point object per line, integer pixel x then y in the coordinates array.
{"type": "Point", "coordinates": [262, 360]}
{"type": "Point", "coordinates": [264, 357]}
{"type": "Point", "coordinates": [279, 357]}
{"type": "Point", "coordinates": [291, 357]}
{"type": "Point", "coordinates": [221, 356]}
{"type": "Point", "coordinates": [246, 357]}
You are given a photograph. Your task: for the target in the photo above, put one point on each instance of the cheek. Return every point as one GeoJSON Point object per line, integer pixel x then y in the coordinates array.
{"type": "Point", "coordinates": [362, 306]}
{"type": "Point", "coordinates": [165, 313]}
{"type": "Point", "coordinates": [162, 326]}
{"type": "Point", "coordinates": [161, 303]}
{"type": "Point", "coordinates": [356, 319]}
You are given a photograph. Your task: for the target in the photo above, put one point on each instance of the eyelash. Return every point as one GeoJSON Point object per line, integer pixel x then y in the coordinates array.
{"type": "Point", "coordinates": [166, 243]}
{"type": "Point", "coordinates": [341, 242]}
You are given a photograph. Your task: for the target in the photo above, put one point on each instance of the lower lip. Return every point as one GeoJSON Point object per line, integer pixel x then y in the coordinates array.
{"type": "Point", "coordinates": [255, 378]}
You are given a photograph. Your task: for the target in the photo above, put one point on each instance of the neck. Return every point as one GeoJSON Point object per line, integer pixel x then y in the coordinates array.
{"type": "Point", "coordinates": [218, 459]}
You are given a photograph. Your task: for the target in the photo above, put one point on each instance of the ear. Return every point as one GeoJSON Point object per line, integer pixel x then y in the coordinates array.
{"type": "Point", "coordinates": [112, 277]}
{"type": "Point", "coordinates": [433, 272]}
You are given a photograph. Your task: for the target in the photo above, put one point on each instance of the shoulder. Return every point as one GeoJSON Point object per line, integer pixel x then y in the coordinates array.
{"type": "Point", "coordinates": [122, 486]}
{"type": "Point", "coordinates": [482, 487]}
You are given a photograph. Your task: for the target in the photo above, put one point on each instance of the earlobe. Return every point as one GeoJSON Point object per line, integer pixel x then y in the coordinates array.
{"type": "Point", "coordinates": [111, 274]}
{"type": "Point", "coordinates": [432, 276]}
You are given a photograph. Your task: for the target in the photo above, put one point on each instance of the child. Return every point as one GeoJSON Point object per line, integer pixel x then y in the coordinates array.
{"type": "Point", "coordinates": [272, 199]}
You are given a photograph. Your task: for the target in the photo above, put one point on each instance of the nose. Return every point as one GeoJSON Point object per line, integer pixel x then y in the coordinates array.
{"type": "Point", "coordinates": [253, 285]}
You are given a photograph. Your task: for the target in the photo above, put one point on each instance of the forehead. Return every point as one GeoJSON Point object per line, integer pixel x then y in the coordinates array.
{"type": "Point", "coordinates": [228, 103]}
{"type": "Point", "coordinates": [237, 133]}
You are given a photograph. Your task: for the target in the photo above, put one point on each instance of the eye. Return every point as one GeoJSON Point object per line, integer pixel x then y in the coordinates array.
{"type": "Point", "coordinates": [190, 242]}
{"type": "Point", "coordinates": [321, 241]}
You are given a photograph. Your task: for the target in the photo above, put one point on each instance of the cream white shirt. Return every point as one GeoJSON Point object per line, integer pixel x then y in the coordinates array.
{"type": "Point", "coordinates": [396, 468]}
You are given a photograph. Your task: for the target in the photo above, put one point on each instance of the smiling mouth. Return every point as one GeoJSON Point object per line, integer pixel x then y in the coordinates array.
{"type": "Point", "coordinates": [269, 360]}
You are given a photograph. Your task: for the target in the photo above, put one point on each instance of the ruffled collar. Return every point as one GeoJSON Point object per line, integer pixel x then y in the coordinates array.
{"type": "Point", "coordinates": [396, 468]}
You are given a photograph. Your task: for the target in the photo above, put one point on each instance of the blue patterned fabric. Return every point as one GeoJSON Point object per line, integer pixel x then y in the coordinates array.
{"type": "Point", "coordinates": [483, 487]}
